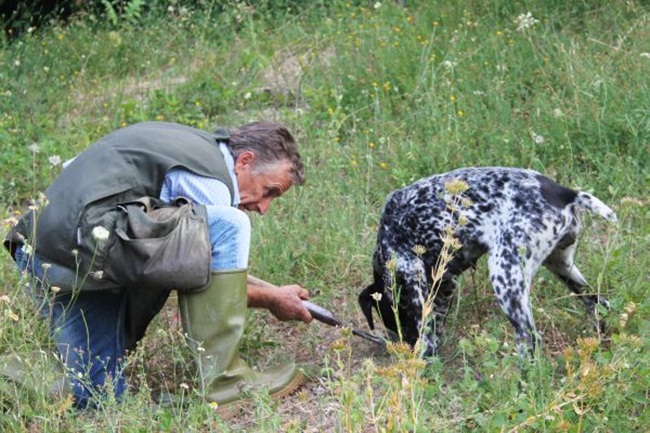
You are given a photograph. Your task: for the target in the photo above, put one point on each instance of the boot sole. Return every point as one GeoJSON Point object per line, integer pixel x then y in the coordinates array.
{"type": "Point", "coordinates": [233, 409]}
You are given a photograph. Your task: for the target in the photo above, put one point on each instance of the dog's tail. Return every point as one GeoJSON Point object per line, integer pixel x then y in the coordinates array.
{"type": "Point", "coordinates": [591, 203]}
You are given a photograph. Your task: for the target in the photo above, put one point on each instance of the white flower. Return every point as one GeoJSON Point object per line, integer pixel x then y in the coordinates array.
{"type": "Point", "coordinates": [27, 249]}
{"type": "Point", "coordinates": [646, 55]}
{"type": "Point", "coordinates": [537, 139]}
{"type": "Point", "coordinates": [558, 113]}
{"type": "Point", "coordinates": [34, 148]}
{"type": "Point", "coordinates": [376, 296]}
{"type": "Point", "coordinates": [54, 160]}
{"type": "Point", "coordinates": [524, 22]}
{"type": "Point", "coordinates": [377, 5]}
{"type": "Point", "coordinates": [247, 95]}
{"type": "Point", "coordinates": [98, 275]}
{"type": "Point", "coordinates": [100, 234]}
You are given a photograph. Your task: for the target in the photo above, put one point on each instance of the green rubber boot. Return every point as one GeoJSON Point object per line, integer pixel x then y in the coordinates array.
{"type": "Point", "coordinates": [214, 320]}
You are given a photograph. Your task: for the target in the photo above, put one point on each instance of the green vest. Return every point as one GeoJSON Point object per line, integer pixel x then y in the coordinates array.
{"type": "Point", "coordinates": [125, 165]}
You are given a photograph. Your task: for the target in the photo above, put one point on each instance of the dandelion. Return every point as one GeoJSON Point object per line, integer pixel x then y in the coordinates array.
{"type": "Point", "coordinates": [383, 165]}
{"type": "Point", "coordinates": [55, 160]}
{"type": "Point", "coordinates": [213, 405]}
{"type": "Point", "coordinates": [525, 22]}
{"type": "Point", "coordinates": [100, 234]}
{"type": "Point", "coordinates": [537, 138]}
{"type": "Point", "coordinates": [354, 163]}
{"type": "Point", "coordinates": [371, 145]}
{"type": "Point", "coordinates": [460, 113]}
{"type": "Point", "coordinates": [376, 296]}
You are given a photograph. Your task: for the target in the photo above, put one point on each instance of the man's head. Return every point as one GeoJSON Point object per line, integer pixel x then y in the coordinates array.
{"type": "Point", "coordinates": [267, 163]}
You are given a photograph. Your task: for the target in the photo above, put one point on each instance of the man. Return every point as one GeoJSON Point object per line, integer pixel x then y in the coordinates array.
{"type": "Point", "coordinates": [94, 321]}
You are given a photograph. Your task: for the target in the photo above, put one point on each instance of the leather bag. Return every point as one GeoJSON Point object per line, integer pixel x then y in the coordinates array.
{"type": "Point", "coordinates": [160, 246]}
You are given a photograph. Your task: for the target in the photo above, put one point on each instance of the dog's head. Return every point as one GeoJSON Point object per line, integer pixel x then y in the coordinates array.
{"type": "Point", "coordinates": [373, 296]}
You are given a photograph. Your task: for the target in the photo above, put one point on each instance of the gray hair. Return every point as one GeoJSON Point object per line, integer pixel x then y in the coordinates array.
{"type": "Point", "coordinates": [272, 144]}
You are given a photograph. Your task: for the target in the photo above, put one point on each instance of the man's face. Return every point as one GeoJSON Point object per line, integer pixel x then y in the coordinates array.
{"type": "Point", "coordinates": [257, 190]}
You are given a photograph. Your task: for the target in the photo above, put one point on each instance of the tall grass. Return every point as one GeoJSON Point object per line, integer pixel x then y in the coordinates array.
{"type": "Point", "coordinates": [378, 95]}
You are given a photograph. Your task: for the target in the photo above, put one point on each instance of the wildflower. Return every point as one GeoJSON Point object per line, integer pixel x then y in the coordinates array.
{"type": "Point", "coordinates": [525, 22]}
{"type": "Point", "coordinates": [55, 289]}
{"type": "Point", "coordinates": [462, 220]}
{"type": "Point", "coordinates": [391, 265]}
{"type": "Point", "coordinates": [98, 275]}
{"type": "Point", "coordinates": [377, 5]}
{"type": "Point", "coordinates": [54, 160]}
{"type": "Point", "coordinates": [100, 234]}
{"type": "Point", "coordinates": [456, 186]}
{"type": "Point", "coordinates": [200, 349]}
{"type": "Point", "coordinates": [449, 64]}
{"type": "Point", "coordinates": [27, 249]}
{"type": "Point", "coordinates": [46, 266]}
{"type": "Point", "coordinates": [376, 296]}
{"type": "Point", "coordinates": [419, 250]}
{"type": "Point", "coordinates": [213, 405]}
{"type": "Point", "coordinates": [537, 139]}
{"type": "Point", "coordinates": [4, 298]}
{"type": "Point", "coordinates": [383, 165]}
{"type": "Point", "coordinates": [34, 148]}
{"type": "Point", "coordinates": [184, 386]}
{"type": "Point", "coordinates": [645, 55]}
{"type": "Point", "coordinates": [247, 95]}
{"type": "Point", "coordinates": [354, 163]}
{"type": "Point", "coordinates": [460, 113]}
{"type": "Point", "coordinates": [558, 113]}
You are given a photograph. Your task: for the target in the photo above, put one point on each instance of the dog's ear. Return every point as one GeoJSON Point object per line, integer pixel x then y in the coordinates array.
{"type": "Point", "coordinates": [367, 303]}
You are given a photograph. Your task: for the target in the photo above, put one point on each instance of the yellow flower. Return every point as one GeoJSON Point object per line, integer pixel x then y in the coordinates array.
{"type": "Point", "coordinates": [460, 113]}
{"type": "Point", "coordinates": [354, 163]}
{"type": "Point", "coordinates": [383, 165]}
{"type": "Point", "coordinates": [371, 144]}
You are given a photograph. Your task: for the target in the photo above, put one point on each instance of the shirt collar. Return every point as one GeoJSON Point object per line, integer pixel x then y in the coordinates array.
{"type": "Point", "coordinates": [230, 163]}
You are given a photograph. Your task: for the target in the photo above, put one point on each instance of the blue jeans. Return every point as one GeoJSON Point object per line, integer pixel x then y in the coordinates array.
{"type": "Point", "coordinates": [93, 330]}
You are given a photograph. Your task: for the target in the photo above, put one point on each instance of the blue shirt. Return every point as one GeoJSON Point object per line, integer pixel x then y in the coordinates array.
{"type": "Point", "coordinates": [201, 189]}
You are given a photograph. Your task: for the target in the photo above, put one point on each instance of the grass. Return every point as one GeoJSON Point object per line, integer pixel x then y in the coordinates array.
{"type": "Point", "coordinates": [378, 95]}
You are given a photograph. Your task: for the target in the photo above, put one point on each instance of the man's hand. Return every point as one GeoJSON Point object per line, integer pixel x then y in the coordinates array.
{"type": "Point", "coordinates": [287, 303]}
{"type": "Point", "coordinates": [284, 302]}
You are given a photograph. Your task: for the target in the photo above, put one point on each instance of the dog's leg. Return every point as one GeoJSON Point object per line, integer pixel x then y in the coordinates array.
{"type": "Point", "coordinates": [560, 262]}
{"type": "Point", "coordinates": [511, 285]}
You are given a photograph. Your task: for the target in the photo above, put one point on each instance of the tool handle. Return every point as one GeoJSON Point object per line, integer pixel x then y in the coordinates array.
{"type": "Point", "coordinates": [321, 314]}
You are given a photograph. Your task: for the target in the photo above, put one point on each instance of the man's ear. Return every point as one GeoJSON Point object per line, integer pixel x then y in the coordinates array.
{"type": "Point", "coordinates": [244, 159]}
{"type": "Point", "coordinates": [367, 303]}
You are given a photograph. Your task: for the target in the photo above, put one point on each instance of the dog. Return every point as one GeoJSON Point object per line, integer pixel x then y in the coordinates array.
{"type": "Point", "coordinates": [518, 217]}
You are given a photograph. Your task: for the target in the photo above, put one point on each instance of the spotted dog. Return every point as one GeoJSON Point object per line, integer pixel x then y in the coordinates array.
{"type": "Point", "coordinates": [518, 217]}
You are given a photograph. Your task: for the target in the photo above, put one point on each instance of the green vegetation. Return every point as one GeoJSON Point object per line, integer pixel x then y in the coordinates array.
{"type": "Point", "coordinates": [378, 95]}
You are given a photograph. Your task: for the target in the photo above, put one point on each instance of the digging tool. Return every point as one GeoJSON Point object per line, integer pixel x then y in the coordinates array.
{"type": "Point", "coordinates": [323, 315]}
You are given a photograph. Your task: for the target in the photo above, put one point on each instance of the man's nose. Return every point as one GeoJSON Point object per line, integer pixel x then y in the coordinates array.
{"type": "Point", "coordinates": [263, 206]}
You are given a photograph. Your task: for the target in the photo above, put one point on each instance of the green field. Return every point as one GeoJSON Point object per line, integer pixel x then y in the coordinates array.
{"type": "Point", "coordinates": [378, 94]}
